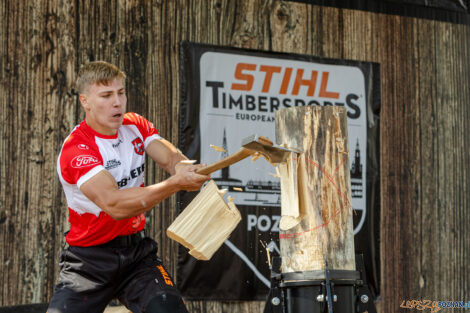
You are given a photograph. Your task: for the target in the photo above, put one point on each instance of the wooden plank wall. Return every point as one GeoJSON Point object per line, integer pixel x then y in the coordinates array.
{"type": "Point", "coordinates": [424, 136]}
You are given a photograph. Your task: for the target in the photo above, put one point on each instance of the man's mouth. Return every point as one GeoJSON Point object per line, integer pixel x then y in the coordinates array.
{"type": "Point", "coordinates": [117, 115]}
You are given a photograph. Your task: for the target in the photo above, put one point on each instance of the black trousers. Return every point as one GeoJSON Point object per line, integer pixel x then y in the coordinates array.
{"type": "Point", "coordinates": [90, 277]}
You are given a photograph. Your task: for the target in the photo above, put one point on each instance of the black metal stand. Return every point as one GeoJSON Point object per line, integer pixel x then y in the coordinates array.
{"type": "Point", "coordinates": [324, 291]}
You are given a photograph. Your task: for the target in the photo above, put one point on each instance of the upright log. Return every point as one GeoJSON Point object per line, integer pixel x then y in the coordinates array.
{"type": "Point", "coordinates": [325, 229]}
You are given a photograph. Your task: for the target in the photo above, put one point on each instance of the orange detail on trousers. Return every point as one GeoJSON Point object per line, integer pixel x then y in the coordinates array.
{"type": "Point", "coordinates": [165, 275]}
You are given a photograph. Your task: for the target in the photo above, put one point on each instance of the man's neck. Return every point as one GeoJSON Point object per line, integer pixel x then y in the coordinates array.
{"type": "Point", "coordinates": [100, 129]}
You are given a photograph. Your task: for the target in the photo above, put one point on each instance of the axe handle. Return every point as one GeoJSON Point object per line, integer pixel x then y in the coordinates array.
{"type": "Point", "coordinates": [234, 158]}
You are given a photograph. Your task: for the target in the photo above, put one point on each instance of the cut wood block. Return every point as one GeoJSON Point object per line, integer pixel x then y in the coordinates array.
{"type": "Point", "coordinates": [290, 209]}
{"type": "Point", "coordinates": [205, 223]}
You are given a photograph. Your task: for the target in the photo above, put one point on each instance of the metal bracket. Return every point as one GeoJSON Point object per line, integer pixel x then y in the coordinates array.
{"type": "Point", "coordinates": [364, 301]}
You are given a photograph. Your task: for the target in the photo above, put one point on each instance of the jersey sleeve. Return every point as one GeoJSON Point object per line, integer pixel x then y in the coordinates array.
{"type": "Point", "coordinates": [78, 162]}
{"type": "Point", "coordinates": [146, 128]}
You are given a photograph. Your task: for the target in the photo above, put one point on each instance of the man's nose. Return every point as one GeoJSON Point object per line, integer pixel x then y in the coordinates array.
{"type": "Point", "coordinates": [117, 101]}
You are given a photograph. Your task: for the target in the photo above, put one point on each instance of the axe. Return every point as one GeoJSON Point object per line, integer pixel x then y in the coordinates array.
{"type": "Point", "coordinates": [250, 145]}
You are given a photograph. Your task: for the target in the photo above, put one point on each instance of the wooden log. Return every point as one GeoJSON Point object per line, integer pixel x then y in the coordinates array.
{"type": "Point", "coordinates": [290, 210]}
{"type": "Point", "coordinates": [325, 230]}
{"type": "Point", "coordinates": [205, 223]}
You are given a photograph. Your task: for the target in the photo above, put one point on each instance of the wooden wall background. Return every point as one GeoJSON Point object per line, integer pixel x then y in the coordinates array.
{"type": "Point", "coordinates": [424, 153]}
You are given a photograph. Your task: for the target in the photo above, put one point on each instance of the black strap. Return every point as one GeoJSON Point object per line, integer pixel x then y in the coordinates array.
{"type": "Point", "coordinates": [125, 241]}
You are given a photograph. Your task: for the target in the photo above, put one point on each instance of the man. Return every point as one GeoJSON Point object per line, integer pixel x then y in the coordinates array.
{"type": "Point", "coordinates": [101, 168]}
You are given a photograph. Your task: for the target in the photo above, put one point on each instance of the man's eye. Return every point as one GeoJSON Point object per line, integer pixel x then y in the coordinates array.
{"type": "Point", "coordinates": [106, 96]}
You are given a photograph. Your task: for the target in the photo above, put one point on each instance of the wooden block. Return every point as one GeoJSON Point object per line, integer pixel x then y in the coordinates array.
{"type": "Point", "coordinates": [325, 230]}
{"type": "Point", "coordinates": [290, 210]}
{"type": "Point", "coordinates": [205, 223]}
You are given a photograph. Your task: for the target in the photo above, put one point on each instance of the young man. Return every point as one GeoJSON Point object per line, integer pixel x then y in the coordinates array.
{"type": "Point", "coordinates": [101, 168]}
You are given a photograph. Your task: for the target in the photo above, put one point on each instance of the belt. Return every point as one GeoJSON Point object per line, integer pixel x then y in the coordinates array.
{"type": "Point", "coordinates": [125, 241]}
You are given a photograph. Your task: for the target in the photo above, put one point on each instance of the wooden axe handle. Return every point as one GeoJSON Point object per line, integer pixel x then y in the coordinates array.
{"type": "Point", "coordinates": [234, 158]}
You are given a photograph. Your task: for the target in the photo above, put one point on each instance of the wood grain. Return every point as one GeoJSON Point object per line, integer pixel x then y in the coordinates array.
{"type": "Point", "coordinates": [205, 223]}
{"type": "Point", "coordinates": [325, 231]}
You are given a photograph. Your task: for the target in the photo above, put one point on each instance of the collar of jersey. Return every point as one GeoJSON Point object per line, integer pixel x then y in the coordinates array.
{"type": "Point", "coordinates": [95, 133]}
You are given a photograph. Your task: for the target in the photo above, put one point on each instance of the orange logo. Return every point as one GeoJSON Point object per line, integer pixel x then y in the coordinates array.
{"type": "Point", "coordinates": [165, 275]}
{"type": "Point", "coordinates": [245, 72]}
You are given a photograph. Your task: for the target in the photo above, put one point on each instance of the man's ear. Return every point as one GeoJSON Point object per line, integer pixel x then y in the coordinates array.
{"type": "Point", "coordinates": [83, 101]}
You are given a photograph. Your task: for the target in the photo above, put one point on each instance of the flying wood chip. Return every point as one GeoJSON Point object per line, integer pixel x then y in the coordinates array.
{"type": "Point", "coordinates": [218, 149]}
{"type": "Point", "coordinates": [274, 175]}
{"type": "Point", "coordinates": [255, 156]}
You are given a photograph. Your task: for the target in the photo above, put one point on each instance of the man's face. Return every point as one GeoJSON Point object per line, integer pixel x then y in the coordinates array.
{"type": "Point", "coordinates": [105, 106]}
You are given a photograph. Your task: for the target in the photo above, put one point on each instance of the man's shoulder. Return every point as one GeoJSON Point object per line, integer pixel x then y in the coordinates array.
{"type": "Point", "coordinates": [145, 127]}
{"type": "Point", "coordinates": [78, 139]}
{"type": "Point", "coordinates": [132, 118]}
{"type": "Point", "coordinates": [79, 144]}
{"type": "Point", "coordinates": [78, 155]}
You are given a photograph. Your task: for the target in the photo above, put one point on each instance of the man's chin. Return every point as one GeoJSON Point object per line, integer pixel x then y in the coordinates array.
{"type": "Point", "coordinates": [115, 124]}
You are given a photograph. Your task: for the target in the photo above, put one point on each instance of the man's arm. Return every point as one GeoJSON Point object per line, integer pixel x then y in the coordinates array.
{"type": "Point", "coordinates": [165, 155]}
{"type": "Point", "coordinates": [102, 189]}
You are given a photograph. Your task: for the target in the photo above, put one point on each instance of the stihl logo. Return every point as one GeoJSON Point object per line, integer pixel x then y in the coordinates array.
{"type": "Point", "coordinates": [243, 72]}
{"type": "Point", "coordinates": [256, 89]}
{"type": "Point", "coordinates": [165, 275]}
{"type": "Point", "coordinates": [84, 161]}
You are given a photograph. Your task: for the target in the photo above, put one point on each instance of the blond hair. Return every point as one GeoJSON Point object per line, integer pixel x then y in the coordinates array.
{"type": "Point", "coordinates": [97, 72]}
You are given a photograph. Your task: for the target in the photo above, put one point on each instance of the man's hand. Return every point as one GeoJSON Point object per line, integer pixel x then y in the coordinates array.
{"type": "Point", "coordinates": [187, 178]}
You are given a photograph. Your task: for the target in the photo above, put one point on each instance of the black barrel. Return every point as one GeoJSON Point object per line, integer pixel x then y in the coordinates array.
{"type": "Point", "coordinates": [307, 292]}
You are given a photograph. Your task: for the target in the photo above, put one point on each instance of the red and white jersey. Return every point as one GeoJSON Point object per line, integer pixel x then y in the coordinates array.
{"type": "Point", "coordinates": [84, 154]}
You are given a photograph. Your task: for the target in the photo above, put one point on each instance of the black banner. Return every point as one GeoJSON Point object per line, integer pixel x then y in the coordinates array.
{"type": "Point", "coordinates": [452, 11]}
{"type": "Point", "coordinates": [228, 94]}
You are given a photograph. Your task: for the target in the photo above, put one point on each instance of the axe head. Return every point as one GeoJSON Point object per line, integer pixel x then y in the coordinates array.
{"type": "Point", "coordinates": [274, 153]}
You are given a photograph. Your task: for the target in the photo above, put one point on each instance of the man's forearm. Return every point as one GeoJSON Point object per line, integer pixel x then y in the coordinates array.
{"type": "Point", "coordinates": [177, 158]}
{"type": "Point", "coordinates": [165, 154]}
{"type": "Point", "coordinates": [129, 202]}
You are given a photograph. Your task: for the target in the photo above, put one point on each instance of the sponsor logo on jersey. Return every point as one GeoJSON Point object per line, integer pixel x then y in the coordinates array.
{"type": "Point", "coordinates": [84, 161]}
{"type": "Point", "coordinates": [138, 146]}
{"type": "Point", "coordinates": [83, 147]}
{"type": "Point", "coordinates": [137, 220]}
{"type": "Point", "coordinates": [110, 164]}
{"type": "Point", "coordinates": [133, 174]}
{"type": "Point", "coordinates": [115, 145]}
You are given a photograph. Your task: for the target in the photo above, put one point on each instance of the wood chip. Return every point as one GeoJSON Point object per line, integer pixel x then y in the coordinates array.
{"type": "Point", "coordinates": [218, 149]}
{"type": "Point", "coordinates": [230, 199]}
{"type": "Point", "coordinates": [222, 192]}
{"type": "Point", "coordinates": [268, 252]}
{"type": "Point", "coordinates": [188, 162]}
{"type": "Point", "coordinates": [274, 175]}
{"type": "Point", "coordinates": [237, 189]}
{"type": "Point", "coordinates": [255, 156]}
